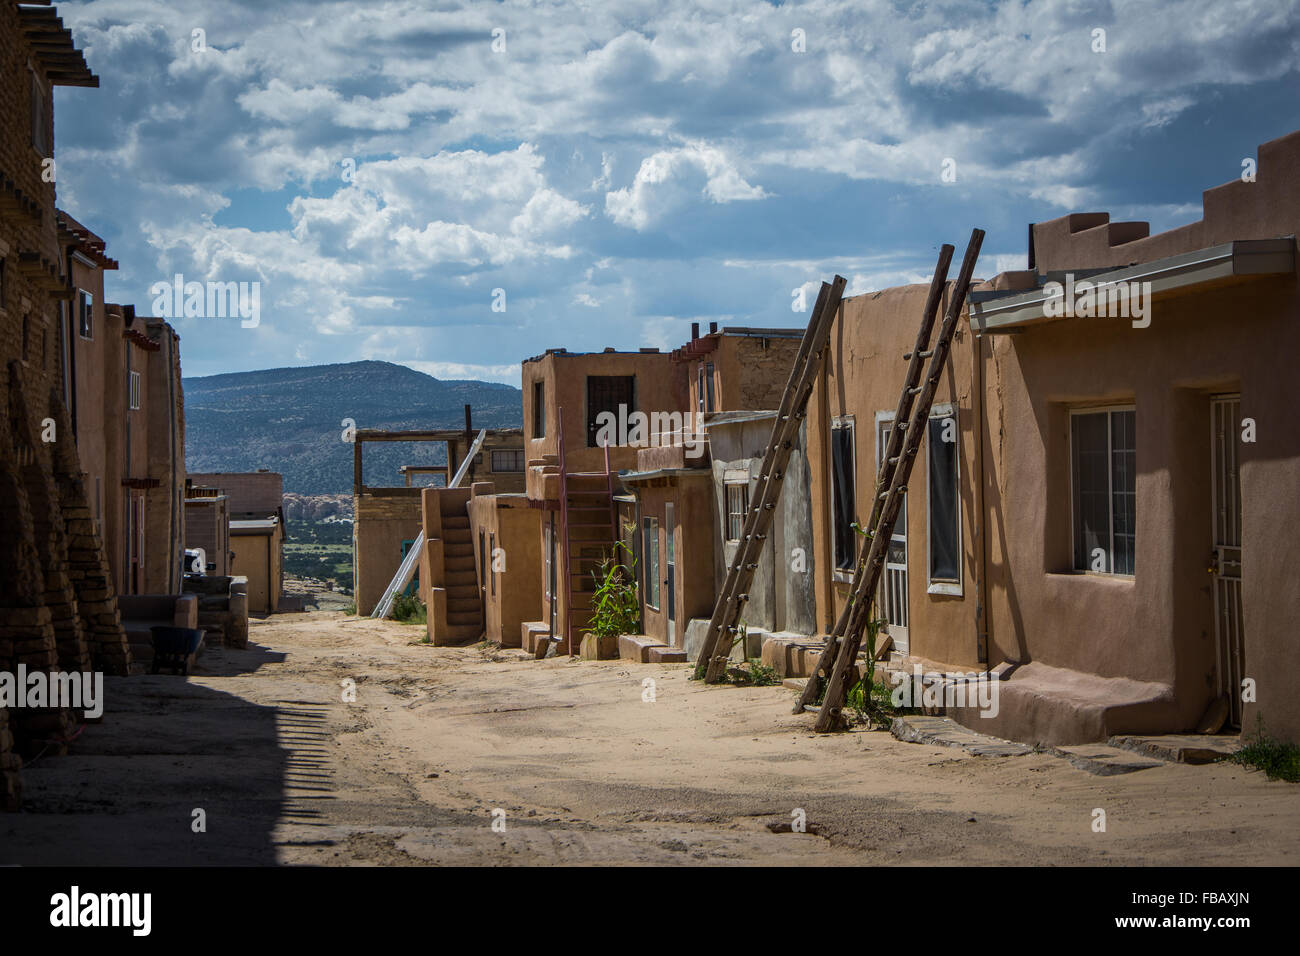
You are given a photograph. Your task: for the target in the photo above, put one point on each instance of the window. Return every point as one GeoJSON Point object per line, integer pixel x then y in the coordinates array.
{"type": "Point", "coordinates": [539, 409]}
{"type": "Point", "coordinates": [944, 500]}
{"type": "Point", "coordinates": [40, 117]}
{"type": "Point", "coordinates": [2, 283]}
{"type": "Point", "coordinates": [1103, 470]}
{"type": "Point", "coordinates": [843, 483]}
{"type": "Point", "coordinates": [482, 558]}
{"type": "Point", "coordinates": [650, 548]}
{"type": "Point", "coordinates": [133, 392]}
{"type": "Point", "coordinates": [85, 314]}
{"type": "Point", "coordinates": [737, 506]}
{"type": "Point", "coordinates": [508, 459]}
{"type": "Point", "coordinates": [27, 338]}
{"type": "Point", "coordinates": [608, 393]}
{"type": "Point", "coordinates": [705, 387]}
{"type": "Point", "coordinates": [492, 553]}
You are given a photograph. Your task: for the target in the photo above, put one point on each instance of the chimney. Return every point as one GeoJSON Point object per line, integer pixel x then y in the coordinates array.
{"type": "Point", "coordinates": [713, 327]}
{"type": "Point", "coordinates": [695, 331]}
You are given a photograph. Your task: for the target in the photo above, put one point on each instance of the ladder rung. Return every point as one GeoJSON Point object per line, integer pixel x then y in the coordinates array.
{"type": "Point", "coordinates": [925, 355]}
{"type": "Point", "coordinates": [916, 391]}
{"type": "Point", "coordinates": [895, 459]}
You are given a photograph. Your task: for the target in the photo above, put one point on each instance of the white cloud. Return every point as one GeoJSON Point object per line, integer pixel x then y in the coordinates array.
{"type": "Point", "coordinates": [669, 178]}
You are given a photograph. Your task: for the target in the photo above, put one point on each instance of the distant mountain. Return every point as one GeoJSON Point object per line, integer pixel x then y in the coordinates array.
{"type": "Point", "coordinates": [290, 420]}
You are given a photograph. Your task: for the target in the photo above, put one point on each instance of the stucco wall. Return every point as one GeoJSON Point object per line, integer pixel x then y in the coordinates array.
{"type": "Point", "coordinates": [381, 523]}
{"type": "Point", "coordinates": [660, 386]}
{"type": "Point", "coordinates": [517, 596]}
{"type": "Point", "coordinates": [782, 596]}
{"type": "Point", "coordinates": [863, 375]}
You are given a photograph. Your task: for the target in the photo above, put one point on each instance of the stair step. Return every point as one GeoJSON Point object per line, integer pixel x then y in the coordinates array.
{"type": "Point", "coordinates": [461, 562]}
{"type": "Point", "coordinates": [464, 618]}
{"type": "Point", "coordinates": [457, 550]}
{"type": "Point", "coordinates": [456, 579]}
{"type": "Point", "coordinates": [455, 521]}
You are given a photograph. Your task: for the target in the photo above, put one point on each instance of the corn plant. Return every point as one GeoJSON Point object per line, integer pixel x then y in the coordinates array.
{"type": "Point", "coordinates": [616, 607]}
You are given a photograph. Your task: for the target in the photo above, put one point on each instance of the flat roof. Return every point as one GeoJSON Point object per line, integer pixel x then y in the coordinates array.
{"type": "Point", "coordinates": [1237, 261]}
{"type": "Point", "coordinates": [254, 524]}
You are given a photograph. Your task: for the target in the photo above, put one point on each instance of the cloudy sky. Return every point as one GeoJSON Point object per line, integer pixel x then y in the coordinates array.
{"type": "Point", "coordinates": [623, 167]}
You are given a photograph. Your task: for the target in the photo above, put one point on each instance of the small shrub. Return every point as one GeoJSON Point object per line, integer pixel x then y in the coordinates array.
{"type": "Point", "coordinates": [408, 609]}
{"type": "Point", "coordinates": [1279, 760]}
{"type": "Point", "coordinates": [753, 673]}
{"type": "Point", "coordinates": [350, 609]}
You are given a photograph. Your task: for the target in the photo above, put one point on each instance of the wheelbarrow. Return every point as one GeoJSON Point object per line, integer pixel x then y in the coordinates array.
{"type": "Point", "coordinates": [172, 647]}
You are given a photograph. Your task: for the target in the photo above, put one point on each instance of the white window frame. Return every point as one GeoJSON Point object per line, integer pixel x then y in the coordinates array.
{"type": "Point", "coordinates": [849, 422]}
{"type": "Point", "coordinates": [955, 588]}
{"type": "Point", "coordinates": [649, 524]}
{"type": "Point", "coordinates": [1110, 485]}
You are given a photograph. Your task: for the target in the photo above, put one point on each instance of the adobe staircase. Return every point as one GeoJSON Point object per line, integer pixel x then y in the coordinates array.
{"type": "Point", "coordinates": [456, 604]}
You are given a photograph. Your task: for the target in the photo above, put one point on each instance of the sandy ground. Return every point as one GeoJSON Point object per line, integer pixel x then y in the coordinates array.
{"type": "Point", "coordinates": [582, 769]}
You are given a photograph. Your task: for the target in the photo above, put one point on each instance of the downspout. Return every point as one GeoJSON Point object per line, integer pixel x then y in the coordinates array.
{"type": "Point", "coordinates": [981, 553]}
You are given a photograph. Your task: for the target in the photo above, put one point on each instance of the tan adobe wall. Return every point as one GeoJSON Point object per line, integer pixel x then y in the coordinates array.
{"type": "Point", "coordinates": [864, 375]}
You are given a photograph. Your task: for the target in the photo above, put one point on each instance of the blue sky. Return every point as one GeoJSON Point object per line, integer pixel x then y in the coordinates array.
{"type": "Point", "coordinates": [622, 168]}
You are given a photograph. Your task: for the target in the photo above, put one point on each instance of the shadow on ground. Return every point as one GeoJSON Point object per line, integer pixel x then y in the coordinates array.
{"type": "Point", "coordinates": [129, 791]}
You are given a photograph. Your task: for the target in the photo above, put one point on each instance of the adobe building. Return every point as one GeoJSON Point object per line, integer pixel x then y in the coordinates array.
{"type": "Point", "coordinates": [387, 520]}
{"type": "Point", "coordinates": [1143, 491]}
{"type": "Point", "coordinates": [690, 498]}
{"type": "Point", "coordinates": [257, 554]}
{"type": "Point", "coordinates": [207, 528]}
{"type": "Point", "coordinates": [257, 529]}
{"type": "Point", "coordinates": [123, 390]}
{"type": "Point", "coordinates": [586, 416]}
{"type": "Point", "coordinates": [58, 609]}
{"type": "Point", "coordinates": [1104, 501]}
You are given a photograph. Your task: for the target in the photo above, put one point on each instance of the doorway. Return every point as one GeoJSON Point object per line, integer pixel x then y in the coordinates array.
{"type": "Point", "coordinates": [670, 571]}
{"type": "Point", "coordinates": [1225, 564]}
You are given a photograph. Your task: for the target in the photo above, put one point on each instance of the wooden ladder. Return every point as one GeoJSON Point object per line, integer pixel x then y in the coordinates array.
{"type": "Point", "coordinates": [905, 438]}
{"type": "Point", "coordinates": [716, 649]}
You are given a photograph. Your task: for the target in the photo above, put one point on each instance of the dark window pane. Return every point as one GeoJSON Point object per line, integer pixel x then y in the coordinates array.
{"type": "Point", "coordinates": [1090, 457]}
{"type": "Point", "coordinates": [539, 410]}
{"type": "Point", "coordinates": [842, 471]}
{"type": "Point", "coordinates": [605, 393]}
{"type": "Point", "coordinates": [944, 557]}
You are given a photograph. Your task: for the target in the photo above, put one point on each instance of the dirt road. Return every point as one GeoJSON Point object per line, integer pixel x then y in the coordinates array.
{"type": "Point", "coordinates": [574, 763]}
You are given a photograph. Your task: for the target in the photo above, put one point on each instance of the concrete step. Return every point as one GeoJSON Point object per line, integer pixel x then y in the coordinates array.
{"type": "Point", "coordinates": [1104, 761]}
{"type": "Point", "coordinates": [637, 647]}
{"type": "Point", "coordinates": [455, 521]}
{"type": "Point", "coordinates": [1179, 748]}
{"type": "Point", "coordinates": [946, 732]}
